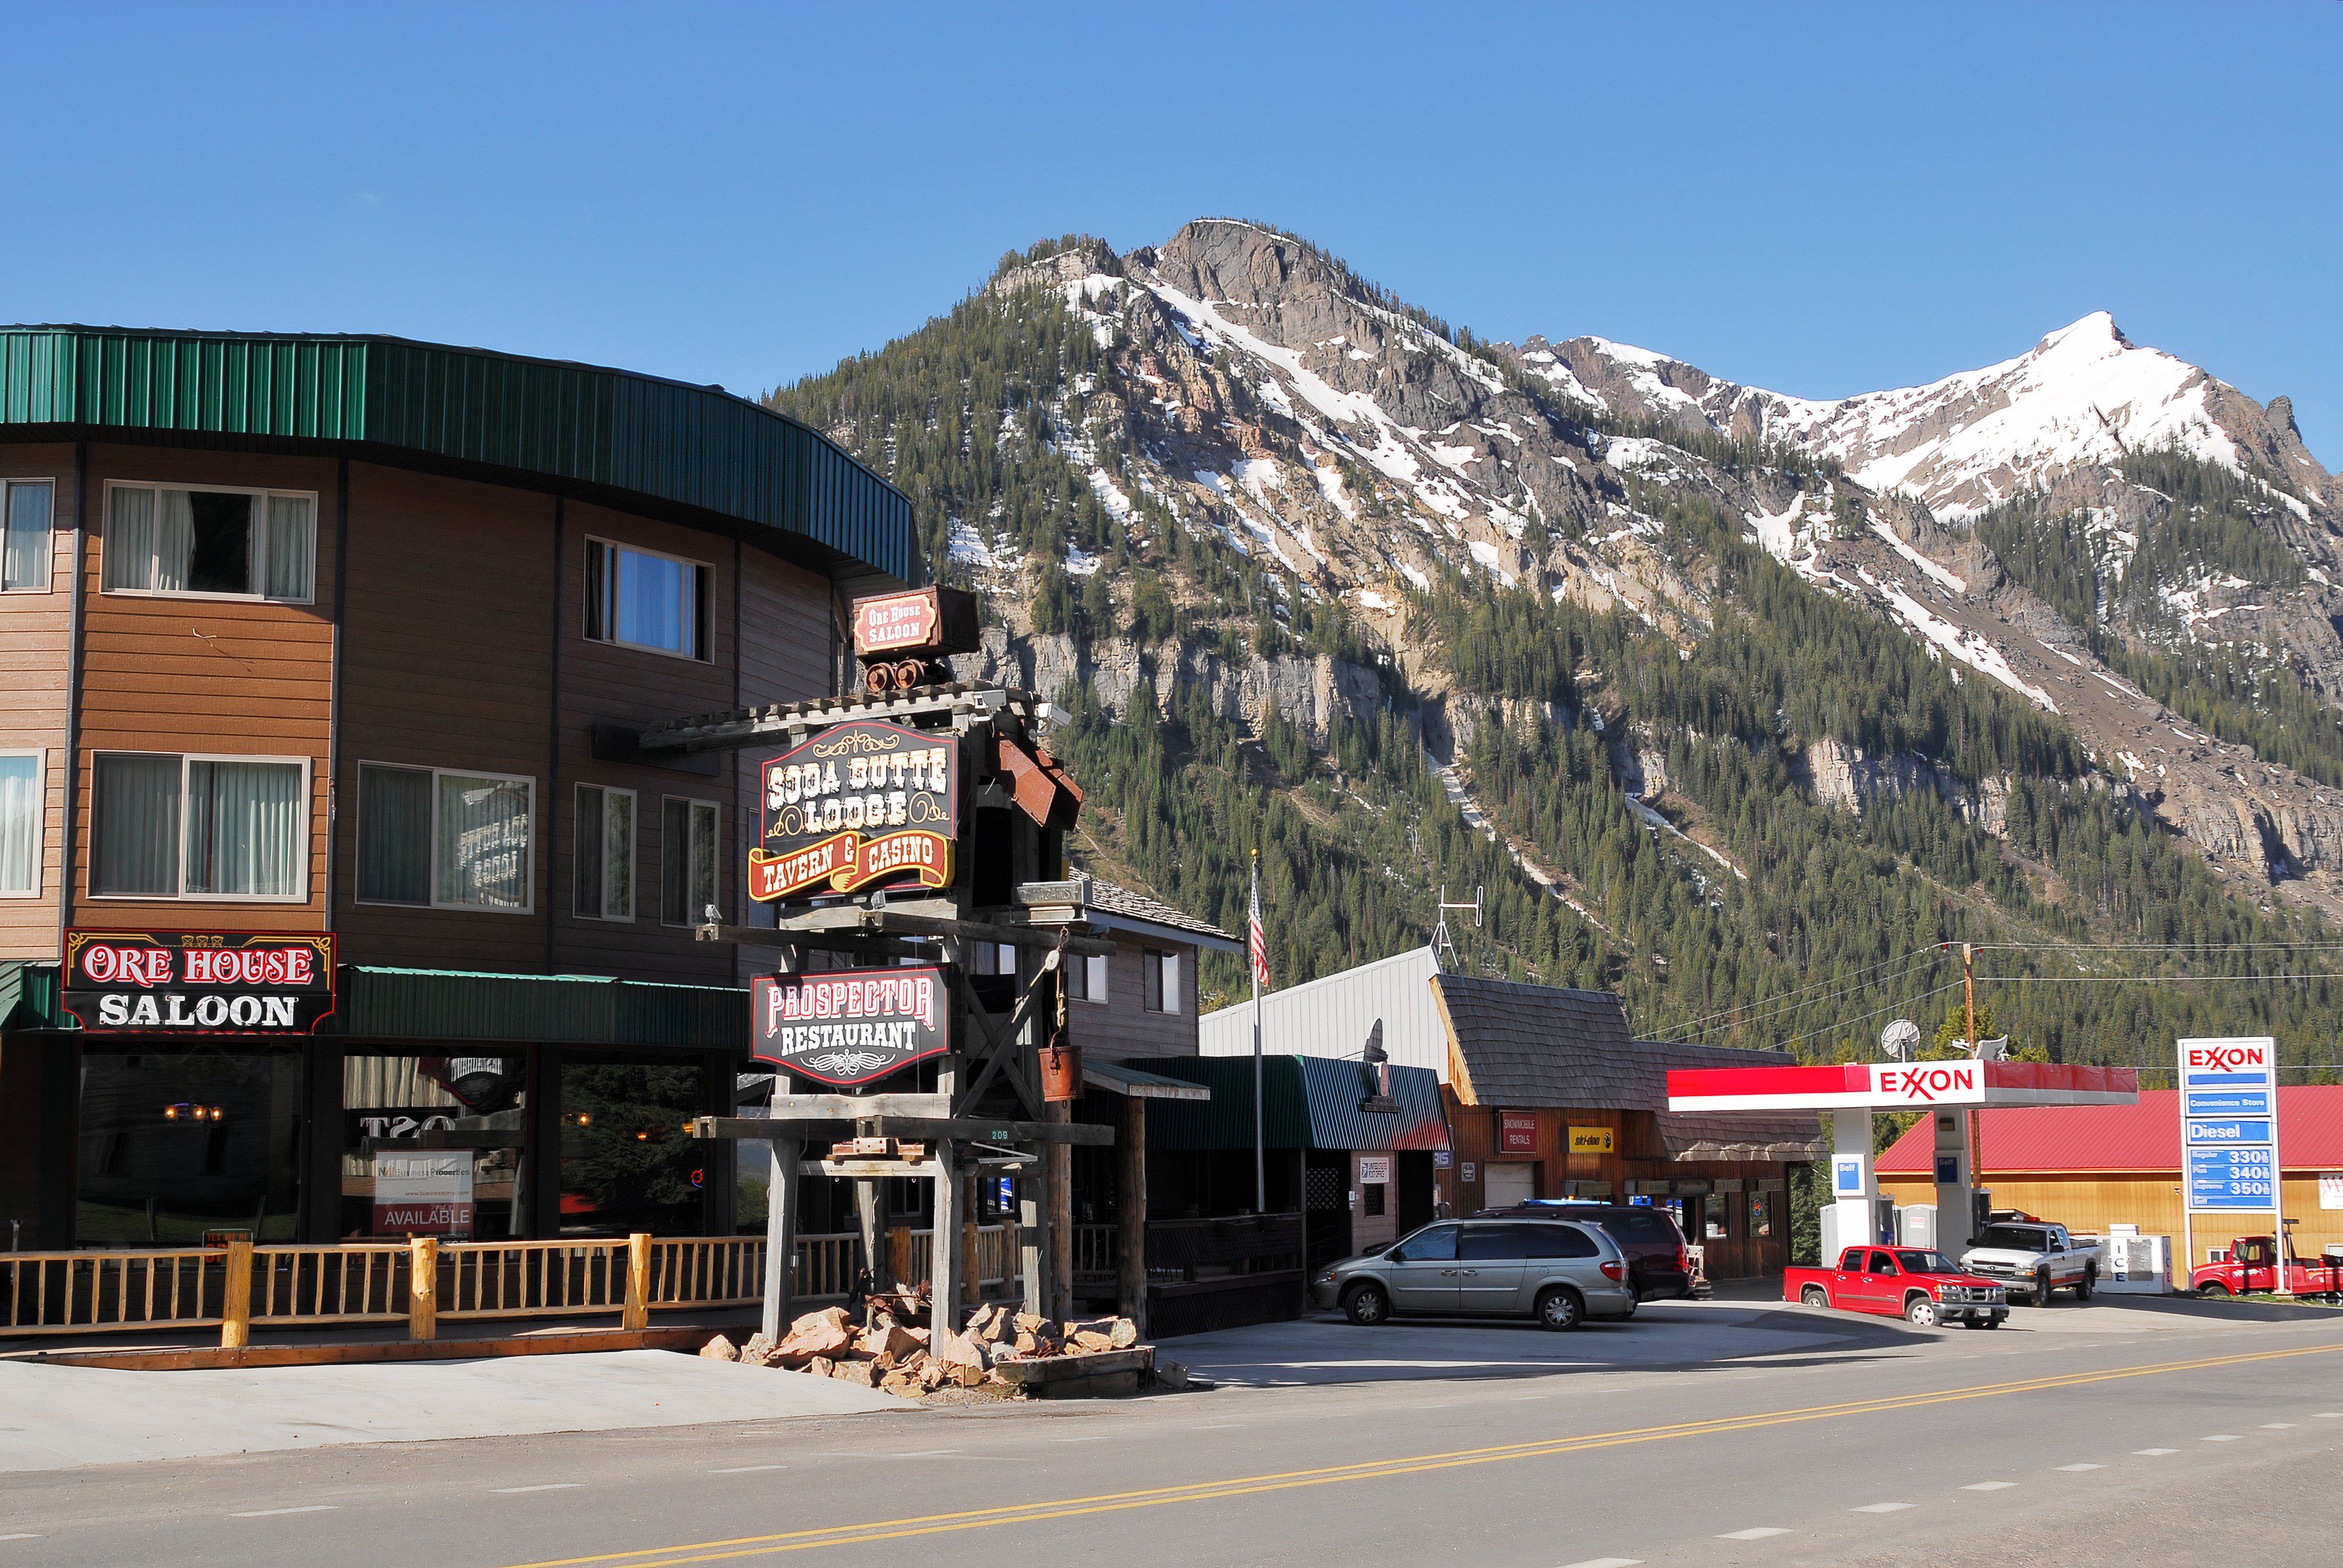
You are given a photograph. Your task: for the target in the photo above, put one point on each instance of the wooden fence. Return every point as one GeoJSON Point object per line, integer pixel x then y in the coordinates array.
{"type": "Point", "coordinates": [420, 1282]}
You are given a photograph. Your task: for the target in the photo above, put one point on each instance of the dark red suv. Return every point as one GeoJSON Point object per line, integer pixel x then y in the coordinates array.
{"type": "Point", "coordinates": [1658, 1265]}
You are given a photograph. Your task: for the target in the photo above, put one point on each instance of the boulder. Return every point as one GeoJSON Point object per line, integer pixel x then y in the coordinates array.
{"type": "Point", "coordinates": [990, 1322]}
{"type": "Point", "coordinates": [1089, 1340]}
{"type": "Point", "coordinates": [965, 1377]}
{"type": "Point", "coordinates": [820, 1366]}
{"type": "Point", "coordinates": [759, 1350]}
{"type": "Point", "coordinates": [719, 1349]}
{"type": "Point", "coordinates": [888, 1338]}
{"type": "Point", "coordinates": [932, 1374]}
{"type": "Point", "coordinates": [1124, 1334]}
{"type": "Point", "coordinates": [861, 1374]}
{"type": "Point", "coordinates": [1035, 1323]}
{"type": "Point", "coordinates": [824, 1333]}
{"type": "Point", "coordinates": [956, 1350]}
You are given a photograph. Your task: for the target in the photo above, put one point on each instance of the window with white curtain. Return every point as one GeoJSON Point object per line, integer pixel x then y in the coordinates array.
{"type": "Point", "coordinates": [208, 541]}
{"type": "Point", "coordinates": [603, 873]}
{"type": "Point", "coordinates": [23, 799]}
{"type": "Point", "coordinates": [27, 508]}
{"type": "Point", "coordinates": [686, 860]}
{"type": "Point", "coordinates": [167, 826]}
{"type": "Point", "coordinates": [643, 599]}
{"type": "Point", "coordinates": [434, 838]}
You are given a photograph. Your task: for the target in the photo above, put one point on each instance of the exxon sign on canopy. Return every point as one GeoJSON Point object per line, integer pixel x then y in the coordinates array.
{"type": "Point", "coordinates": [1898, 1085]}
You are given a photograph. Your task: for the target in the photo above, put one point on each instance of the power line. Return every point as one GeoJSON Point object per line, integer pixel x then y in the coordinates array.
{"type": "Point", "coordinates": [1674, 1030]}
{"type": "Point", "coordinates": [1849, 1023]}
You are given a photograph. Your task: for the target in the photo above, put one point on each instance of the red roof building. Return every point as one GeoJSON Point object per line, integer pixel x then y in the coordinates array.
{"type": "Point", "coordinates": [2092, 1166]}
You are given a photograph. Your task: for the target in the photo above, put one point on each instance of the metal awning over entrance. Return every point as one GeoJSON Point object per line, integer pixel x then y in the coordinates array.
{"type": "Point", "coordinates": [1133, 1084]}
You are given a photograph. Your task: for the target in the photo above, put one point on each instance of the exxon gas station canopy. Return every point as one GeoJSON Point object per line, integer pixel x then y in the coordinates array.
{"type": "Point", "coordinates": [1899, 1085]}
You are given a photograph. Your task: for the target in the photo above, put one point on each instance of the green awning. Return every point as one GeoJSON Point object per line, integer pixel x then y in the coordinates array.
{"type": "Point", "coordinates": [1121, 1078]}
{"type": "Point", "coordinates": [568, 1009]}
{"type": "Point", "coordinates": [1307, 1102]}
{"type": "Point", "coordinates": [28, 996]}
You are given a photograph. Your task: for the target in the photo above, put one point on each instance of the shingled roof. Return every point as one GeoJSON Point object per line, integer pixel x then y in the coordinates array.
{"type": "Point", "coordinates": [1109, 899]}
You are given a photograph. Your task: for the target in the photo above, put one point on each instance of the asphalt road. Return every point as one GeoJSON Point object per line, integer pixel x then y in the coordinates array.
{"type": "Point", "coordinates": [1695, 1434]}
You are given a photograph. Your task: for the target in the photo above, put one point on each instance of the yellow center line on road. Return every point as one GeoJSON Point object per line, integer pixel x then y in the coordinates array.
{"type": "Point", "coordinates": [1370, 1470]}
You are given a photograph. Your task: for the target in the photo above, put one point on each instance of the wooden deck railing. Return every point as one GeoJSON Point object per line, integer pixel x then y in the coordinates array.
{"type": "Point", "coordinates": [419, 1282]}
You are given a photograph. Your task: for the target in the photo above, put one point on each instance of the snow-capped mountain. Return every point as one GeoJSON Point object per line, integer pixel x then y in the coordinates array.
{"type": "Point", "coordinates": [1251, 412]}
{"type": "Point", "coordinates": [2083, 397]}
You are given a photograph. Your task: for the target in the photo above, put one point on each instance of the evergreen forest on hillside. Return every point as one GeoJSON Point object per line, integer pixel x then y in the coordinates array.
{"type": "Point", "coordinates": [1809, 926]}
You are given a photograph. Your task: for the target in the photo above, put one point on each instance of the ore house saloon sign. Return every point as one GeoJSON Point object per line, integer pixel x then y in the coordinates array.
{"type": "Point", "coordinates": [198, 982]}
{"type": "Point", "coordinates": [861, 805]}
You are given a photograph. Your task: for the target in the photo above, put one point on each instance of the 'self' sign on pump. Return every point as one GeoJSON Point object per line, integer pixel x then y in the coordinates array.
{"type": "Point", "coordinates": [198, 982]}
{"type": "Point", "coordinates": [858, 806]}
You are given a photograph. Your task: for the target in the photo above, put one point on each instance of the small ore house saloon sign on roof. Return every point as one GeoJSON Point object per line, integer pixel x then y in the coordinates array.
{"type": "Point", "coordinates": [845, 1027]}
{"type": "Point", "coordinates": [197, 982]}
{"type": "Point", "coordinates": [858, 806]}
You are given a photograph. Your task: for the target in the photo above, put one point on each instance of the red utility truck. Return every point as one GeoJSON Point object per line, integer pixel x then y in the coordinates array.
{"type": "Point", "coordinates": [1911, 1282]}
{"type": "Point", "coordinates": [2252, 1265]}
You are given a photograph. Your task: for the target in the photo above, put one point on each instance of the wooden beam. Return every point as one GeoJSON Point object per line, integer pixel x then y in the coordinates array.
{"type": "Point", "coordinates": [970, 1129]}
{"type": "Point", "coordinates": [855, 1107]}
{"type": "Point", "coordinates": [1130, 1264]}
{"type": "Point", "coordinates": [944, 1247]}
{"type": "Point", "coordinates": [960, 701]}
{"type": "Point", "coordinates": [780, 1235]}
{"type": "Point", "coordinates": [857, 929]}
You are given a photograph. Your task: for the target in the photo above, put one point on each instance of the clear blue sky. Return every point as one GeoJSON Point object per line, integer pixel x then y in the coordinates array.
{"type": "Point", "coordinates": [1820, 200]}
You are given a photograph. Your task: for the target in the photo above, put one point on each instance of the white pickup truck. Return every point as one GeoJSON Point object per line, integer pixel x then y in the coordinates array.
{"type": "Point", "coordinates": [2033, 1258]}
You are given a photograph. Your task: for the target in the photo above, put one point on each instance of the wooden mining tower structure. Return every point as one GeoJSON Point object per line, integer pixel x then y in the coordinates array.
{"type": "Point", "coordinates": [902, 826]}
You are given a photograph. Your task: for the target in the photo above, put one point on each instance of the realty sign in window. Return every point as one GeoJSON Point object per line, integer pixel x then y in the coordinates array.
{"type": "Point", "coordinates": [2228, 1123]}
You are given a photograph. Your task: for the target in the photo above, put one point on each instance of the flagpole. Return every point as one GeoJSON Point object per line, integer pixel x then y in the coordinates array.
{"type": "Point", "coordinates": [1260, 1156]}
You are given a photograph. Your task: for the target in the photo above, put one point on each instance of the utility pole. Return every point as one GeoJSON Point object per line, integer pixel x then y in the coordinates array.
{"type": "Point", "coordinates": [1252, 962]}
{"type": "Point", "coordinates": [1977, 1122]}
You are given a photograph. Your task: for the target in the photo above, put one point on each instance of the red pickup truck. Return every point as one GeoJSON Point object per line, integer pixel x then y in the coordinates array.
{"type": "Point", "coordinates": [2252, 1265]}
{"type": "Point", "coordinates": [1913, 1282]}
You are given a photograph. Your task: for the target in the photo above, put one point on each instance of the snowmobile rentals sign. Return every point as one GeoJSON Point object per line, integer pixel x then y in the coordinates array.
{"type": "Point", "coordinates": [858, 806]}
{"type": "Point", "coordinates": [845, 1027]}
{"type": "Point", "coordinates": [198, 982]}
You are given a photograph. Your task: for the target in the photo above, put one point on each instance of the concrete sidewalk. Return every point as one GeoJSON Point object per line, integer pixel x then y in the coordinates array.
{"type": "Point", "coordinates": [54, 1418]}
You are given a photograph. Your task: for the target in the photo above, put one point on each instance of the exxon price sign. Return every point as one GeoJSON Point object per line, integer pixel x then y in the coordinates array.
{"type": "Point", "coordinates": [2229, 1151]}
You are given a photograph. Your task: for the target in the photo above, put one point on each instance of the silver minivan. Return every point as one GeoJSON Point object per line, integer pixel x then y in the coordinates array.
{"type": "Point", "coordinates": [1558, 1271]}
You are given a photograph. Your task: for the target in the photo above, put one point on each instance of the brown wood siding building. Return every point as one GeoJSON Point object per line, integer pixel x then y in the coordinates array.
{"type": "Point", "coordinates": [36, 652]}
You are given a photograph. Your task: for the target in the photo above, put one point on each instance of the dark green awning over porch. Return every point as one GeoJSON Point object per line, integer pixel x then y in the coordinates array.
{"type": "Point", "coordinates": [1307, 1102]}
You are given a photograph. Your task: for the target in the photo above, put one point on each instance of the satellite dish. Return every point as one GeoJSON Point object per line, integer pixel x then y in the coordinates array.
{"type": "Point", "coordinates": [1900, 1039]}
{"type": "Point", "coordinates": [1992, 1050]}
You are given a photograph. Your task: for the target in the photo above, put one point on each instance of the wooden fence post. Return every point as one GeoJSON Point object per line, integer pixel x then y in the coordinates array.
{"type": "Point", "coordinates": [637, 1314]}
{"type": "Point", "coordinates": [236, 1296]}
{"type": "Point", "coordinates": [423, 1287]}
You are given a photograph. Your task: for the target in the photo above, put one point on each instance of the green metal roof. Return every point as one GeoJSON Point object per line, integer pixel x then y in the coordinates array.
{"type": "Point", "coordinates": [28, 996]}
{"type": "Point", "coordinates": [569, 1010]}
{"type": "Point", "coordinates": [542, 422]}
{"type": "Point", "coordinates": [1307, 1102]}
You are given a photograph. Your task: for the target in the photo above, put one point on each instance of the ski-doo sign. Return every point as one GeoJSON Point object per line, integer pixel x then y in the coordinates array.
{"type": "Point", "coordinates": [197, 982]}
{"type": "Point", "coordinates": [858, 806]}
{"type": "Point", "coordinates": [845, 1027]}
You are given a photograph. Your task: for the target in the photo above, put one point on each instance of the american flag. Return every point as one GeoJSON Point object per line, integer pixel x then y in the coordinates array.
{"type": "Point", "coordinates": [1256, 942]}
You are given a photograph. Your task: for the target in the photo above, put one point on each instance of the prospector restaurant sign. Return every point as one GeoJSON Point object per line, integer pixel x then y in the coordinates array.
{"type": "Point", "coordinates": [845, 1027]}
{"type": "Point", "coordinates": [858, 806]}
{"type": "Point", "coordinates": [197, 982]}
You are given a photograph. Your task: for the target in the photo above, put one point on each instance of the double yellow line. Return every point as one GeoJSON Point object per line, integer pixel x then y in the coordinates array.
{"type": "Point", "coordinates": [1373, 1469]}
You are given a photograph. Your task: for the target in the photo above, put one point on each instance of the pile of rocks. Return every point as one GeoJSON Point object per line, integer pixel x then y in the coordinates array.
{"type": "Point", "coordinates": [904, 1358]}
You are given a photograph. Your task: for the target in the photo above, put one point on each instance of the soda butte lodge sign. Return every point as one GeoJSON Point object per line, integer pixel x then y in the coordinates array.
{"type": "Point", "coordinates": [861, 805]}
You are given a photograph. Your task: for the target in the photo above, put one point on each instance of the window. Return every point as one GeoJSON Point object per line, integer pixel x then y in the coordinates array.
{"type": "Point", "coordinates": [1561, 1241]}
{"type": "Point", "coordinates": [1494, 1243]}
{"type": "Point", "coordinates": [686, 860]}
{"type": "Point", "coordinates": [1086, 977]}
{"type": "Point", "coordinates": [603, 863]}
{"type": "Point", "coordinates": [1761, 1214]}
{"type": "Point", "coordinates": [23, 801]}
{"type": "Point", "coordinates": [1433, 1244]}
{"type": "Point", "coordinates": [437, 838]}
{"type": "Point", "coordinates": [1371, 1200]}
{"type": "Point", "coordinates": [25, 506]}
{"type": "Point", "coordinates": [207, 542]}
{"type": "Point", "coordinates": [1715, 1208]}
{"type": "Point", "coordinates": [643, 600]}
{"type": "Point", "coordinates": [174, 827]}
{"type": "Point", "coordinates": [992, 959]}
{"type": "Point", "coordinates": [1161, 973]}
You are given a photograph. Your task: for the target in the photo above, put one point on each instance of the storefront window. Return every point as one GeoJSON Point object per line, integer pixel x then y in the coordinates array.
{"type": "Point", "coordinates": [1715, 1211]}
{"type": "Point", "coordinates": [466, 1194]}
{"type": "Point", "coordinates": [628, 1161]}
{"type": "Point", "coordinates": [1761, 1214]}
{"type": "Point", "coordinates": [179, 1141]}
